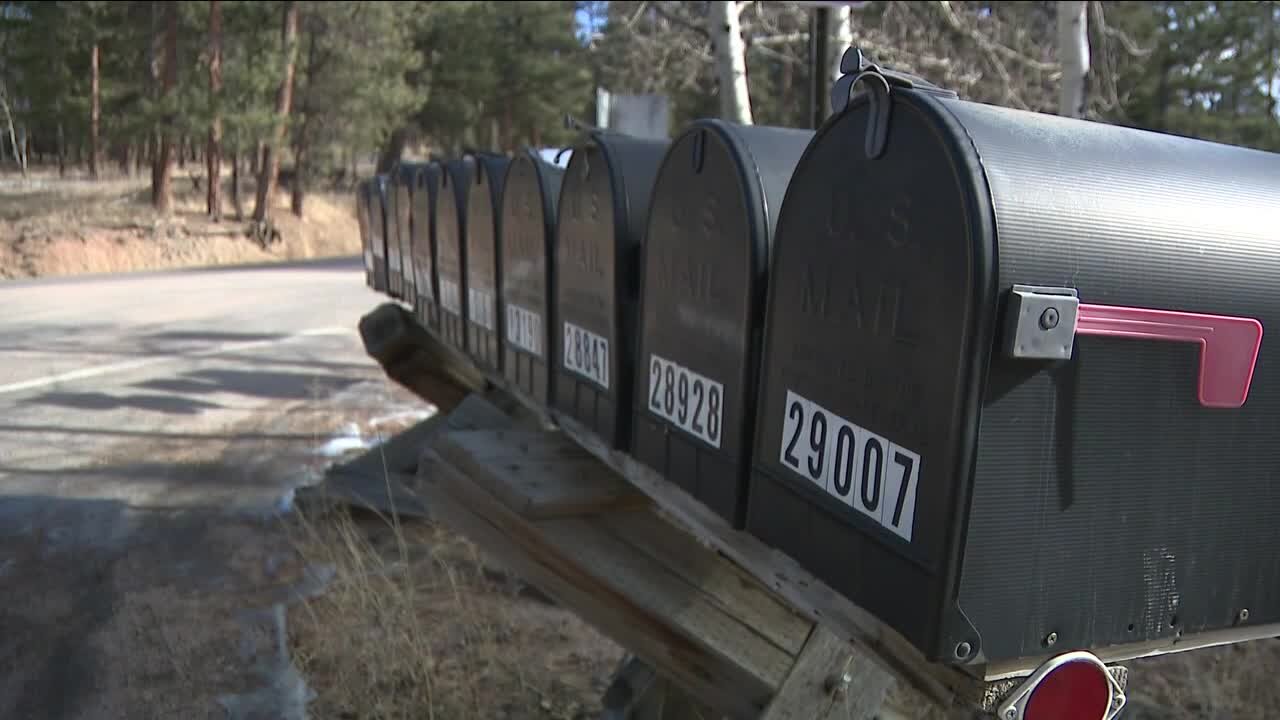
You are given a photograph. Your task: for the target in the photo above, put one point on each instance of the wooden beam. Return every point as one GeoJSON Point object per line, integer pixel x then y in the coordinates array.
{"type": "Point", "coordinates": [831, 679]}
{"type": "Point", "coordinates": [802, 591]}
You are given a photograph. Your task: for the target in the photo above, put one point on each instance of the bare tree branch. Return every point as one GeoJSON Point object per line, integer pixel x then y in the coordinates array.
{"type": "Point", "coordinates": [1131, 47]}
{"type": "Point", "coordinates": [986, 44]}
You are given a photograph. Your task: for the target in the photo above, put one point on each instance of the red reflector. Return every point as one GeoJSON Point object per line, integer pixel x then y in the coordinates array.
{"type": "Point", "coordinates": [1076, 690]}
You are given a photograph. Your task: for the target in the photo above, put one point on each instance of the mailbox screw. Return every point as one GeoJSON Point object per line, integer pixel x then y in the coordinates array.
{"type": "Point", "coordinates": [963, 650]}
{"type": "Point", "coordinates": [1051, 639]}
{"type": "Point", "coordinates": [1244, 615]}
{"type": "Point", "coordinates": [1011, 713]}
{"type": "Point", "coordinates": [838, 685]}
{"type": "Point", "coordinates": [1049, 318]}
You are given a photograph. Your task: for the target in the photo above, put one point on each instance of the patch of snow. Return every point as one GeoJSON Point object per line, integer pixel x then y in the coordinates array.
{"type": "Point", "coordinates": [413, 415]}
{"type": "Point", "coordinates": [343, 444]}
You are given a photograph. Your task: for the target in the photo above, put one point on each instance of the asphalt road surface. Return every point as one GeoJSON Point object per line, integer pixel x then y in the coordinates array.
{"type": "Point", "coordinates": [146, 426]}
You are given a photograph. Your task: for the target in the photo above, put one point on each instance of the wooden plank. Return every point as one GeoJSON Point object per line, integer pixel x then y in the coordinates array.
{"type": "Point", "coordinates": [830, 679]}
{"type": "Point", "coordinates": [936, 683]}
{"type": "Point", "coordinates": [682, 650]}
{"type": "Point", "coordinates": [536, 478]}
{"type": "Point", "coordinates": [725, 583]}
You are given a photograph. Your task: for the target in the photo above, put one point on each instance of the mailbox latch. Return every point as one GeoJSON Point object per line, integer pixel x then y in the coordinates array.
{"type": "Point", "coordinates": [856, 68]}
{"type": "Point", "coordinates": [1040, 322]}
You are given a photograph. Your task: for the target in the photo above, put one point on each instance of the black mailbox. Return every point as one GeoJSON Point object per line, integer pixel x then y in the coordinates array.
{"type": "Point", "coordinates": [366, 240]}
{"type": "Point", "coordinates": [604, 202]}
{"type": "Point", "coordinates": [405, 175]}
{"type": "Point", "coordinates": [484, 267]}
{"type": "Point", "coordinates": [451, 249]}
{"type": "Point", "coordinates": [529, 198]}
{"type": "Point", "coordinates": [1006, 401]}
{"type": "Point", "coordinates": [391, 196]}
{"type": "Point", "coordinates": [426, 188]}
{"type": "Point", "coordinates": [704, 276]}
{"type": "Point", "coordinates": [377, 199]}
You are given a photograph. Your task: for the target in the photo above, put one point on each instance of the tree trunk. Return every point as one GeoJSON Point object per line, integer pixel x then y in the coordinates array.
{"type": "Point", "coordinates": [731, 62]}
{"type": "Point", "coordinates": [842, 18]}
{"type": "Point", "coordinates": [162, 189]}
{"type": "Point", "coordinates": [1073, 54]}
{"type": "Point", "coordinates": [62, 150]}
{"type": "Point", "coordinates": [394, 149]}
{"type": "Point", "coordinates": [18, 155]}
{"type": "Point", "coordinates": [298, 190]}
{"type": "Point", "coordinates": [236, 203]}
{"type": "Point", "coordinates": [284, 99]}
{"type": "Point", "coordinates": [143, 152]}
{"type": "Point", "coordinates": [95, 112]}
{"type": "Point", "coordinates": [213, 153]}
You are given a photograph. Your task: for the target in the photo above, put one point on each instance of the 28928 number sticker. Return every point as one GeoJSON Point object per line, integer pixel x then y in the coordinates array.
{"type": "Point", "coordinates": [524, 329]}
{"type": "Point", "coordinates": [480, 307]}
{"type": "Point", "coordinates": [586, 354]}
{"type": "Point", "coordinates": [450, 296]}
{"type": "Point", "coordinates": [856, 466]}
{"type": "Point", "coordinates": [690, 401]}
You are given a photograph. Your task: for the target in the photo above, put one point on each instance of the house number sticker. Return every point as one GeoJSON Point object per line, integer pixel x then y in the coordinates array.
{"type": "Point", "coordinates": [868, 472]}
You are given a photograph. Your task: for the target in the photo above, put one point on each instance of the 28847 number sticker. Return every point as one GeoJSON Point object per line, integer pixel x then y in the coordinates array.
{"type": "Point", "coordinates": [586, 354]}
{"type": "Point", "coordinates": [690, 401]}
{"type": "Point", "coordinates": [856, 466]}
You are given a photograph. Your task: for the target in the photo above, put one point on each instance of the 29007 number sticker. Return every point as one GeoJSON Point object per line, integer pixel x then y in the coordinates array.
{"type": "Point", "coordinates": [688, 400]}
{"type": "Point", "coordinates": [586, 354]}
{"type": "Point", "coordinates": [856, 466]}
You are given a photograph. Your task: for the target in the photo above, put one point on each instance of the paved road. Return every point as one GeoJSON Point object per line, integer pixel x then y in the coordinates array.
{"type": "Point", "coordinates": [134, 411]}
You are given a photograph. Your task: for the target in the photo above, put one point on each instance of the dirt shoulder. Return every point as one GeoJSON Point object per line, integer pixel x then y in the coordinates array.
{"type": "Point", "coordinates": [51, 226]}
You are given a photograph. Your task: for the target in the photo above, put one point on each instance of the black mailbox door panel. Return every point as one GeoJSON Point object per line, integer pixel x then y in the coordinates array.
{"type": "Point", "coordinates": [366, 241]}
{"type": "Point", "coordinates": [451, 251]}
{"type": "Point", "coordinates": [426, 187]}
{"type": "Point", "coordinates": [404, 228]}
{"type": "Point", "coordinates": [395, 284]}
{"type": "Point", "coordinates": [603, 205]}
{"type": "Point", "coordinates": [702, 300]}
{"type": "Point", "coordinates": [1143, 500]}
{"type": "Point", "coordinates": [484, 268]}
{"type": "Point", "coordinates": [378, 231]}
{"type": "Point", "coordinates": [529, 198]}
{"type": "Point", "coordinates": [882, 272]}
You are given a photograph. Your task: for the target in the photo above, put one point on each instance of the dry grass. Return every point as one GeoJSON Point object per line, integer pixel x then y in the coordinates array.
{"type": "Point", "coordinates": [418, 625]}
{"type": "Point", "coordinates": [63, 226]}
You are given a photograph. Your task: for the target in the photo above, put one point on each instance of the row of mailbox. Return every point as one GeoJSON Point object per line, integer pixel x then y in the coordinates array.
{"type": "Point", "coordinates": [982, 370]}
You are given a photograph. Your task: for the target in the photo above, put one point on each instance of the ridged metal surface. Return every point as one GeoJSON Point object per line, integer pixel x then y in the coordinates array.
{"type": "Point", "coordinates": [378, 231]}
{"type": "Point", "coordinates": [1109, 506]}
{"type": "Point", "coordinates": [706, 259]}
{"type": "Point", "coordinates": [600, 225]}
{"type": "Point", "coordinates": [530, 196]}
{"type": "Point", "coordinates": [451, 247]}
{"type": "Point", "coordinates": [425, 192]}
{"type": "Point", "coordinates": [484, 262]}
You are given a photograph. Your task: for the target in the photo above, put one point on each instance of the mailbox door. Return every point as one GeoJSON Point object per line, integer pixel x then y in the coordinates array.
{"type": "Point", "coordinates": [405, 230]}
{"type": "Point", "coordinates": [426, 188]}
{"type": "Point", "coordinates": [529, 198]}
{"type": "Point", "coordinates": [705, 260]}
{"type": "Point", "coordinates": [484, 267]}
{"type": "Point", "coordinates": [392, 239]}
{"type": "Point", "coordinates": [378, 232]}
{"type": "Point", "coordinates": [451, 251]}
{"type": "Point", "coordinates": [600, 223]}
{"type": "Point", "coordinates": [366, 242]}
{"type": "Point", "coordinates": [878, 317]}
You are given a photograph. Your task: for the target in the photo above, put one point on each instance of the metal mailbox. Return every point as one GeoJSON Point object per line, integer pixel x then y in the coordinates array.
{"type": "Point", "coordinates": [366, 240]}
{"type": "Point", "coordinates": [405, 175]}
{"type": "Point", "coordinates": [704, 278]}
{"type": "Point", "coordinates": [377, 201]}
{"type": "Point", "coordinates": [451, 249]}
{"type": "Point", "coordinates": [604, 203]}
{"type": "Point", "coordinates": [1012, 398]}
{"type": "Point", "coordinates": [395, 264]}
{"type": "Point", "coordinates": [426, 188]}
{"type": "Point", "coordinates": [530, 195]}
{"type": "Point", "coordinates": [484, 267]}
